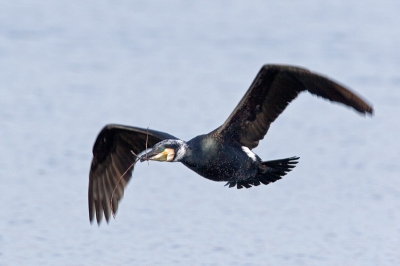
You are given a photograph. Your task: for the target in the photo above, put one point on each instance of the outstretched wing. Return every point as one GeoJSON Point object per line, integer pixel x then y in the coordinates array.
{"type": "Point", "coordinates": [272, 90]}
{"type": "Point", "coordinates": [112, 157]}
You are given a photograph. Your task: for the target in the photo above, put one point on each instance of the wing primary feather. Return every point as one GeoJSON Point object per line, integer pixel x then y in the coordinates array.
{"type": "Point", "coordinates": [105, 199]}
{"type": "Point", "coordinates": [91, 202]}
{"type": "Point", "coordinates": [98, 201]}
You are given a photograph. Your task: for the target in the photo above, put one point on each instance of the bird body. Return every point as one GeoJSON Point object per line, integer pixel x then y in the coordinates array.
{"type": "Point", "coordinates": [224, 154]}
{"type": "Point", "coordinates": [219, 161]}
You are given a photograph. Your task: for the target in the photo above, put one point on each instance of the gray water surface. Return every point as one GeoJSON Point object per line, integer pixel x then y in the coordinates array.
{"type": "Point", "coordinates": [67, 68]}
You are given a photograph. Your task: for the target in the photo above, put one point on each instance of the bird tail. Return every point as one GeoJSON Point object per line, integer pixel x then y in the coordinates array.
{"type": "Point", "coordinates": [268, 172]}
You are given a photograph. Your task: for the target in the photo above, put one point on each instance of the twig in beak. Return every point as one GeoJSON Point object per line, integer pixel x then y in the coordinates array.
{"type": "Point", "coordinates": [147, 140]}
{"type": "Point", "coordinates": [119, 180]}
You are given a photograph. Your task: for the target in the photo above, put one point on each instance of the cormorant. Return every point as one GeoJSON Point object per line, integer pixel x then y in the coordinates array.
{"type": "Point", "coordinates": [225, 153]}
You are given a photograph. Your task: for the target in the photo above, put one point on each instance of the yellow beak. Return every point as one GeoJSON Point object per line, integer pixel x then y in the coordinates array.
{"type": "Point", "coordinates": [166, 156]}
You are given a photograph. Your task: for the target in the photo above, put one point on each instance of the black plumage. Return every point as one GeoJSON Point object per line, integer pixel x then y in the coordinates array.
{"type": "Point", "coordinates": [221, 155]}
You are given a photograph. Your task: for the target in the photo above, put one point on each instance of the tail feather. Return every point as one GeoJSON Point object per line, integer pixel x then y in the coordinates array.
{"type": "Point", "coordinates": [269, 171]}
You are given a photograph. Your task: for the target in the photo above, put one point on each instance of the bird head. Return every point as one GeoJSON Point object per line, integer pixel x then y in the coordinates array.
{"type": "Point", "coordinates": [170, 150]}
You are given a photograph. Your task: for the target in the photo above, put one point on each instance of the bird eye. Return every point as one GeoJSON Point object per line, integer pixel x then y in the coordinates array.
{"type": "Point", "coordinates": [160, 149]}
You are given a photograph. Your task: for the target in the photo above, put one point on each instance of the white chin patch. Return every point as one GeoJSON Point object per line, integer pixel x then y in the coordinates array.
{"type": "Point", "coordinates": [249, 153]}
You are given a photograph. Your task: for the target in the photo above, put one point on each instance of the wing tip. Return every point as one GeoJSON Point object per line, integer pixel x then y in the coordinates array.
{"type": "Point", "coordinates": [366, 110]}
{"type": "Point", "coordinates": [370, 111]}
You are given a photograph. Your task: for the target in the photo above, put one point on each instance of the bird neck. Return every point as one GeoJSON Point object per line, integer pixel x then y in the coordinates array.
{"type": "Point", "coordinates": [181, 150]}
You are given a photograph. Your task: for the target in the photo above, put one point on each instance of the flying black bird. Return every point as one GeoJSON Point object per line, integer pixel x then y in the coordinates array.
{"type": "Point", "coordinates": [225, 153]}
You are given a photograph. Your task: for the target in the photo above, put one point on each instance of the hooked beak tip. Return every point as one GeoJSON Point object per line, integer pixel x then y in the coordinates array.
{"type": "Point", "coordinates": [145, 157]}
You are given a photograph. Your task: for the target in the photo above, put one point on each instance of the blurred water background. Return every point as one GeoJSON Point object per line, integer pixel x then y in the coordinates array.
{"type": "Point", "coordinates": [67, 68]}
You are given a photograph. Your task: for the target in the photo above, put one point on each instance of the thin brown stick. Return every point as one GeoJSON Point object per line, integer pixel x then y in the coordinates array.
{"type": "Point", "coordinates": [119, 180]}
{"type": "Point", "coordinates": [127, 170]}
{"type": "Point", "coordinates": [147, 139]}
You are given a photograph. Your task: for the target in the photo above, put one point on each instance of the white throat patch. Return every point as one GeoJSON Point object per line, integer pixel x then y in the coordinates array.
{"type": "Point", "coordinates": [249, 153]}
{"type": "Point", "coordinates": [181, 151]}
